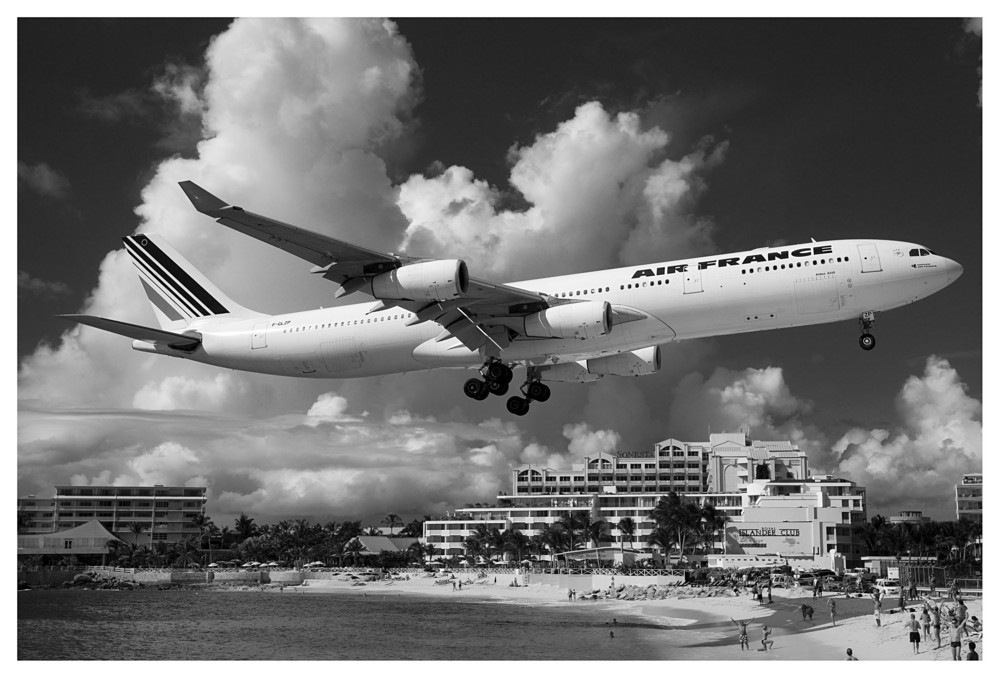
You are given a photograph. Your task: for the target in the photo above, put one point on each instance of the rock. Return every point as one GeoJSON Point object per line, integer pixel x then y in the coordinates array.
{"type": "Point", "coordinates": [81, 579]}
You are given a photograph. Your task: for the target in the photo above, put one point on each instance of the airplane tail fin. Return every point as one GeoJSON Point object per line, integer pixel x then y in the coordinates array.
{"type": "Point", "coordinates": [178, 292]}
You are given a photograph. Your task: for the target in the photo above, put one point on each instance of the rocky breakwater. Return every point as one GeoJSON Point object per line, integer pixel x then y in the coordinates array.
{"type": "Point", "coordinates": [655, 592]}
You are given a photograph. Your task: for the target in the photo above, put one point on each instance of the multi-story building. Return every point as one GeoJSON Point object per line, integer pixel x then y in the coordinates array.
{"type": "Point", "coordinates": [969, 497]}
{"type": "Point", "coordinates": [753, 482]}
{"type": "Point", "coordinates": [727, 462]}
{"type": "Point", "coordinates": [165, 514]}
{"type": "Point", "coordinates": [912, 517]}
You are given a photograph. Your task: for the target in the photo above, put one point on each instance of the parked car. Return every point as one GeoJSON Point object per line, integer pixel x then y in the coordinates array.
{"type": "Point", "coordinates": [887, 587]}
{"type": "Point", "coordinates": [805, 579]}
{"type": "Point", "coordinates": [782, 581]}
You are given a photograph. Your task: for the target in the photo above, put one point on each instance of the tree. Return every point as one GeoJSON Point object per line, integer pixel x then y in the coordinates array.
{"type": "Point", "coordinates": [682, 519]}
{"type": "Point", "coordinates": [136, 529]}
{"type": "Point", "coordinates": [373, 532]}
{"type": "Point", "coordinates": [206, 528]}
{"type": "Point", "coordinates": [354, 548]}
{"type": "Point", "coordinates": [245, 527]}
{"type": "Point", "coordinates": [627, 528]}
{"type": "Point", "coordinates": [391, 519]}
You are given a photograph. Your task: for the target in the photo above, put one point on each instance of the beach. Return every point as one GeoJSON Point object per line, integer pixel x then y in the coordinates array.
{"type": "Point", "coordinates": [703, 624]}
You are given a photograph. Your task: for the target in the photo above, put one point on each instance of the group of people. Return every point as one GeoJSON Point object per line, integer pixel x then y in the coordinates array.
{"type": "Point", "coordinates": [960, 625]}
{"type": "Point", "coordinates": [743, 625]}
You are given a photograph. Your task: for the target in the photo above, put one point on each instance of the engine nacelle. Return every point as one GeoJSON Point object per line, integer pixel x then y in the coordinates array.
{"type": "Point", "coordinates": [586, 320]}
{"type": "Point", "coordinates": [571, 372]}
{"type": "Point", "coordinates": [630, 364]}
{"type": "Point", "coordinates": [423, 281]}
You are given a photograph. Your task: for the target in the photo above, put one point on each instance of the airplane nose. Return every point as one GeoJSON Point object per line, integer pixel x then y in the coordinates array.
{"type": "Point", "coordinates": [954, 269]}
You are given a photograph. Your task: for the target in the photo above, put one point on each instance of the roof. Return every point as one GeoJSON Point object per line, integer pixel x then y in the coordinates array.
{"type": "Point", "coordinates": [372, 545]}
{"type": "Point", "coordinates": [89, 538]}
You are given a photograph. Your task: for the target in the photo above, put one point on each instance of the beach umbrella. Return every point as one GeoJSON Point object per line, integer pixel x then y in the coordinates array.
{"type": "Point", "coordinates": [213, 564]}
{"type": "Point", "coordinates": [248, 564]}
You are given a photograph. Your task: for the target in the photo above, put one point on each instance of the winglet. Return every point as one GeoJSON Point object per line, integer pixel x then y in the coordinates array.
{"type": "Point", "coordinates": [203, 201]}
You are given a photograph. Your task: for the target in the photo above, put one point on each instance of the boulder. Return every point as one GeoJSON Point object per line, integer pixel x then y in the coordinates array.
{"type": "Point", "coordinates": [81, 579]}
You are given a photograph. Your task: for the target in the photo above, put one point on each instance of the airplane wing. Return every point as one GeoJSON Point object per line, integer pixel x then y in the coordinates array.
{"type": "Point", "coordinates": [183, 342]}
{"type": "Point", "coordinates": [352, 267]}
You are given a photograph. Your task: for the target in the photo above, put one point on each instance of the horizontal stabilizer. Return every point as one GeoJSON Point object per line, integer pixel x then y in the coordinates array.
{"type": "Point", "coordinates": [182, 342]}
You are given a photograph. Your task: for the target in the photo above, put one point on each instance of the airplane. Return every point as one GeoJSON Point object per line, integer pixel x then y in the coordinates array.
{"type": "Point", "coordinates": [573, 328]}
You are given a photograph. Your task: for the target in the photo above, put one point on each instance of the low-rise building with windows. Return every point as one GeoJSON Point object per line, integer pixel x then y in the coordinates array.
{"type": "Point", "coordinates": [164, 513]}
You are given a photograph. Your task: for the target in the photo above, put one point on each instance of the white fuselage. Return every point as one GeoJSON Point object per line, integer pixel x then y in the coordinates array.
{"type": "Point", "coordinates": [762, 289]}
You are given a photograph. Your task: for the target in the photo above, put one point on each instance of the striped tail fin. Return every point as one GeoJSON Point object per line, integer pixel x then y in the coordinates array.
{"type": "Point", "coordinates": [178, 292]}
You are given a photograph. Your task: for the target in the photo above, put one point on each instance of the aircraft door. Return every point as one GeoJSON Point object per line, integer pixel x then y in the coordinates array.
{"type": "Point", "coordinates": [870, 262]}
{"type": "Point", "coordinates": [259, 337]}
{"type": "Point", "coordinates": [692, 279]}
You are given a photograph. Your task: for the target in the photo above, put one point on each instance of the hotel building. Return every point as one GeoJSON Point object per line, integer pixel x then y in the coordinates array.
{"type": "Point", "coordinates": [757, 483]}
{"type": "Point", "coordinates": [969, 497]}
{"type": "Point", "coordinates": [165, 513]}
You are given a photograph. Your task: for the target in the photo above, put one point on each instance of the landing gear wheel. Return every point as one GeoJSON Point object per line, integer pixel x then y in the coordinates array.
{"type": "Point", "coordinates": [498, 388]}
{"type": "Point", "coordinates": [867, 342]}
{"type": "Point", "coordinates": [538, 391]}
{"type": "Point", "coordinates": [476, 389]}
{"type": "Point", "coordinates": [517, 405]}
{"type": "Point", "coordinates": [495, 372]}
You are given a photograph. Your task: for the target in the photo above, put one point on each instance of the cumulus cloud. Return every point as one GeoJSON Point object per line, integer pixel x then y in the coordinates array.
{"type": "Point", "coordinates": [296, 119]}
{"type": "Point", "coordinates": [974, 26]}
{"type": "Point", "coordinates": [938, 439]}
{"type": "Point", "coordinates": [43, 180]}
{"type": "Point", "coordinates": [599, 185]}
{"type": "Point", "coordinates": [26, 284]}
{"type": "Point", "coordinates": [275, 466]}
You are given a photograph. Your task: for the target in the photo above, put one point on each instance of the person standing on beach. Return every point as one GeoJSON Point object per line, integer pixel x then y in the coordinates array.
{"type": "Point", "coordinates": [850, 656]}
{"type": "Point", "coordinates": [878, 616]}
{"type": "Point", "coordinates": [913, 626]}
{"type": "Point", "coordinates": [973, 656]}
{"type": "Point", "coordinates": [925, 623]}
{"type": "Point", "coordinates": [833, 611]}
{"type": "Point", "coordinates": [744, 638]}
{"type": "Point", "coordinates": [956, 639]}
{"type": "Point", "coordinates": [769, 599]}
{"type": "Point", "coordinates": [936, 625]}
{"type": "Point", "coordinates": [807, 612]}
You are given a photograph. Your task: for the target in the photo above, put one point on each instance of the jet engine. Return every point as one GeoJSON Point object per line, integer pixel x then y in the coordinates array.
{"type": "Point", "coordinates": [423, 281]}
{"type": "Point", "coordinates": [586, 320]}
{"type": "Point", "coordinates": [630, 364]}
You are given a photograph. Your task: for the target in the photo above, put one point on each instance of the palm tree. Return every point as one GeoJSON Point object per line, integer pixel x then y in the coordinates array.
{"type": "Point", "coordinates": [354, 547]}
{"type": "Point", "coordinates": [712, 521]}
{"type": "Point", "coordinates": [598, 531]}
{"type": "Point", "coordinates": [391, 519]}
{"type": "Point", "coordinates": [245, 527]}
{"type": "Point", "coordinates": [627, 528]}
{"type": "Point", "coordinates": [135, 529]}
{"type": "Point", "coordinates": [205, 528]}
{"type": "Point", "coordinates": [373, 532]}
{"type": "Point", "coordinates": [680, 518]}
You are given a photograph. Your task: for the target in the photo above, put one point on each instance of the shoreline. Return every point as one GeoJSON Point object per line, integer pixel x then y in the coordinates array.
{"type": "Point", "coordinates": [693, 627]}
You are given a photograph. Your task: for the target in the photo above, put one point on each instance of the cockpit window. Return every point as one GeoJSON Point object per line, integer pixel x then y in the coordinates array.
{"type": "Point", "coordinates": [920, 252]}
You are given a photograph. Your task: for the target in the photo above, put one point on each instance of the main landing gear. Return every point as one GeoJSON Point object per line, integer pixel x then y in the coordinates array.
{"type": "Point", "coordinates": [866, 321]}
{"type": "Point", "coordinates": [496, 380]}
{"type": "Point", "coordinates": [533, 389]}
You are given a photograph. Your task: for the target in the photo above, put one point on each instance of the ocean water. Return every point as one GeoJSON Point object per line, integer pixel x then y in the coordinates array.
{"type": "Point", "coordinates": [232, 625]}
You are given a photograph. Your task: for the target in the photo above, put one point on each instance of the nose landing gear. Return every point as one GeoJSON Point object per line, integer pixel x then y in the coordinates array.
{"type": "Point", "coordinates": [867, 340]}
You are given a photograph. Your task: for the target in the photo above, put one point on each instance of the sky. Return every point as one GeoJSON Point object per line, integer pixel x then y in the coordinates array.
{"type": "Point", "coordinates": [529, 148]}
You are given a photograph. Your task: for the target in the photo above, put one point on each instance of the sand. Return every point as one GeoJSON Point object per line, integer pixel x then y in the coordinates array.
{"type": "Point", "coordinates": [704, 625]}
